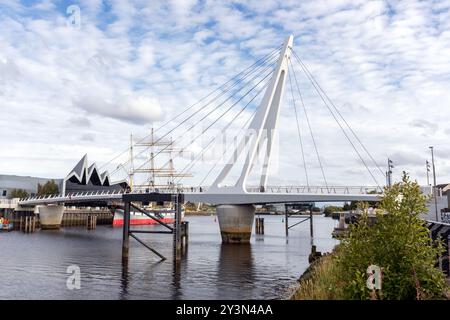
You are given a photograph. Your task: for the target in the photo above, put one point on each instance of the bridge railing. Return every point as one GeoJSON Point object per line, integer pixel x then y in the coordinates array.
{"type": "Point", "coordinates": [94, 195]}
{"type": "Point", "coordinates": [73, 195]}
{"type": "Point", "coordinates": [289, 189]}
{"type": "Point", "coordinates": [319, 189]}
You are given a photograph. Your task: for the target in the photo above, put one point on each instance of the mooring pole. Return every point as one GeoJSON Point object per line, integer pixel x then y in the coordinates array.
{"type": "Point", "coordinates": [262, 225]}
{"type": "Point", "coordinates": [311, 229]}
{"type": "Point", "coordinates": [286, 223]}
{"type": "Point", "coordinates": [177, 227]}
{"type": "Point", "coordinates": [126, 230]}
{"type": "Point", "coordinates": [184, 233]}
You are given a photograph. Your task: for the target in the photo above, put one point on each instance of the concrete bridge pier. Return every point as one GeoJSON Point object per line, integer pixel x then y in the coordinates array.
{"type": "Point", "coordinates": [50, 216]}
{"type": "Point", "coordinates": [236, 222]}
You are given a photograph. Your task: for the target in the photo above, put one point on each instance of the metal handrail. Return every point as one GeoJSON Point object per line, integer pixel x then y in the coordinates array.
{"type": "Point", "coordinates": [270, 189]}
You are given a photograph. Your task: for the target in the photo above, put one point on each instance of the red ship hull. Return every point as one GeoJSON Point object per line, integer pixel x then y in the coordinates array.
{"type": "Point", "coordinates": [137, 218]}
{"type": "Point", "coordinates": [137, 222]}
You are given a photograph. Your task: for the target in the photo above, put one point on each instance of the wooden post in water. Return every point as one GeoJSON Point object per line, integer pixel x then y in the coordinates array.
{"type": "Point", "coordinates": [91, 221]}
{"type": "Point", "coordinates": [28, 224]}
{"type": "Point", "coordinates": [311, 229]}
{"type": "Point", "coordinates": [126, 231]}
{"type": "Point", "coordinates": [262, 225]}
{"type": "Point", "coordinates": [177, 227]}
{"type": "Point", "coordinates": [259, 225]}
{"type": "Point", "coordinates": [286, 219]}
{"type": "Point", "coordinates": [184, 233]}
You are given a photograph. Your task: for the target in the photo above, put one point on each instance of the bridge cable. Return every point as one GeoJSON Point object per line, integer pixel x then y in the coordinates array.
{"type": "Point", "coordinates": [240, 99]}
{"type": "Point", "coordinates": [210, 143]}
{"type": "Point", "coordinates": [200, 109]}
{"type": "Point", "coordinates": [309, 127]}
{"type": "Point", "coordinates": [245, 72]}
{"type": "Point", "coordinates": [217, 107]}
{"type": "Point", "coordinates": [343, 131]}
{"type": "Point", "coordinates": [210, 112]}
{"type": "Point", "coordinates": [192, 163]}
{"type": "Point", "coordinates": [298, 129]}
{"type": "Point", "coordinates": [340, 115]}
{"type": "Point", "coordinates": [226, 148]}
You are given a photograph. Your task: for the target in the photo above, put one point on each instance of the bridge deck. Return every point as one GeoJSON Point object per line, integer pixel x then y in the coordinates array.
{"type": "Point", "coordinates": [212, 198]}
{"type": "Point", "coordinates": [266, 197]}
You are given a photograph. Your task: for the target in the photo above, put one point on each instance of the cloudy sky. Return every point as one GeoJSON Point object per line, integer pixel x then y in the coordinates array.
{"type": "Point", "coordinates": [72, 86]}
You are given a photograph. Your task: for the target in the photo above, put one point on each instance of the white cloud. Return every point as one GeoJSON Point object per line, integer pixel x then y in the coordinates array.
{"type": "Point", "coordinates": [139, 109]}
{"type": "Point", "coordinates": [385, 64]}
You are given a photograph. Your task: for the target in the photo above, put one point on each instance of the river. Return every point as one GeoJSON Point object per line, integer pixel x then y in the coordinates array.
{"type": "Point", "coordinates": [34, 266]}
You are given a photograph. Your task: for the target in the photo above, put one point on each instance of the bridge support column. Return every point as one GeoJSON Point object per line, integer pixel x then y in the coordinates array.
{"type": "Point", "coordinates": [236, 222]}
{"type": "Point", "coordinates": [50, 216]}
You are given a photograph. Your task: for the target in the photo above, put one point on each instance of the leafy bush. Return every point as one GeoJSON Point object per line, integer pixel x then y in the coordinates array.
{"type": "Point", "coordinates": [328, 210]}
{"type": "Point", "coordinates": [49, 188]}
{"type": "Point", "coordinates": [399, 243]}
{"type": "Point", "coordinates": [350, 206]}
{"type": "Point", "coordinates": [18, 193]}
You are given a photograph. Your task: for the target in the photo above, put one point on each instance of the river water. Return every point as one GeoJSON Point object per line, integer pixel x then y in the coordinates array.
{"type": "Point", "coordinates": [34, 266]}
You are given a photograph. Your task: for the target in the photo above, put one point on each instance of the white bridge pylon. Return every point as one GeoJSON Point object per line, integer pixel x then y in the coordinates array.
{"type": "Point", "coordinates": [261, 129]}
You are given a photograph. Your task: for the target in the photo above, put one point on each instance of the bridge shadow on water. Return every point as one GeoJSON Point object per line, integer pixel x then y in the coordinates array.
{"type": "Point", "coordinates": [235, 259]}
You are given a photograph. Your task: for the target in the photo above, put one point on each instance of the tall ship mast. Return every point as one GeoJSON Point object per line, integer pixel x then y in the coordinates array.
{"type": "Point", "coordinates": [155, 174]}
{"type": "Point", "coordinates": [160, 174]}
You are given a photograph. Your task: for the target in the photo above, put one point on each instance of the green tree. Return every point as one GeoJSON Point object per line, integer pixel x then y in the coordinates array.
{"type": "Point", "coordinates": [399, 243]}
{"type": "Point", "coordinates": [19, 193]}
{"type": "Point", "coordinates": [350, 206]}
{"type": "Point", "coordinates": [50, 187]}
{"type": "Point", "coordinates": [329, 210]}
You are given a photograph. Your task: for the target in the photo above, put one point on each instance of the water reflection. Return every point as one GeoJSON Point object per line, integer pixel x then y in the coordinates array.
{"type": "Point", "coordinates": [36, 264]}
{"type": "Point", "coordinates": [124, 280]}
{"type": "Point", "coordinates": [235, 259]}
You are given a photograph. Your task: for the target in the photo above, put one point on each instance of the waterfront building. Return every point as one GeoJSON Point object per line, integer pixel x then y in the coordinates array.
{"type": "Point", "coordinates": [30, 184]}
{"type": "Point", "coordinates": [80, 179]}
{"type": "Point", "coordinates": [84, 177]}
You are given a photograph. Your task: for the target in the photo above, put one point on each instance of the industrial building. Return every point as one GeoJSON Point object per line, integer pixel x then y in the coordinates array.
{"type": "Point", "coordinates": [30, 184]}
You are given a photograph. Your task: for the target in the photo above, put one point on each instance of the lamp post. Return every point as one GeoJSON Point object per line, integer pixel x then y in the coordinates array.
{"type": "Point", "coordinates": [428, 172]}
{"type": "Point", "coordinates": [434, 182]}
{"type": "Point", "coordinates": [389, 173]}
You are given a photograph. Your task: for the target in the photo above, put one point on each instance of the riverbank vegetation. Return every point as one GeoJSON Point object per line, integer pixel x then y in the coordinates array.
{"type": "Point", "coordinates": [199, 210]}
{"type": "Point", "coordinates": [398, 243]}
{"type": "Point", "coordinates": [49, 188]}
{"type": "Point", "coordinates": [18, 193]}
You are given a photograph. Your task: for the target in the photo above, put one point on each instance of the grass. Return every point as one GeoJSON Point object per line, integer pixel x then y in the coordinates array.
{"type": "Point", "coordinates": [320, 281]}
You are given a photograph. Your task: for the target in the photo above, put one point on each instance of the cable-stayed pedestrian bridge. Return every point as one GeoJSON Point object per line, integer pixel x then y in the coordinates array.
{"type": "Point", "coordinates": [272, 194]}
{"type": "Point", "coordinates": [221, 110]}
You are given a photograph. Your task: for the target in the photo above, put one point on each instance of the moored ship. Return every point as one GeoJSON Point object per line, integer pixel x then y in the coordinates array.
{"type": "Point", "coordinates": [138, 218]}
